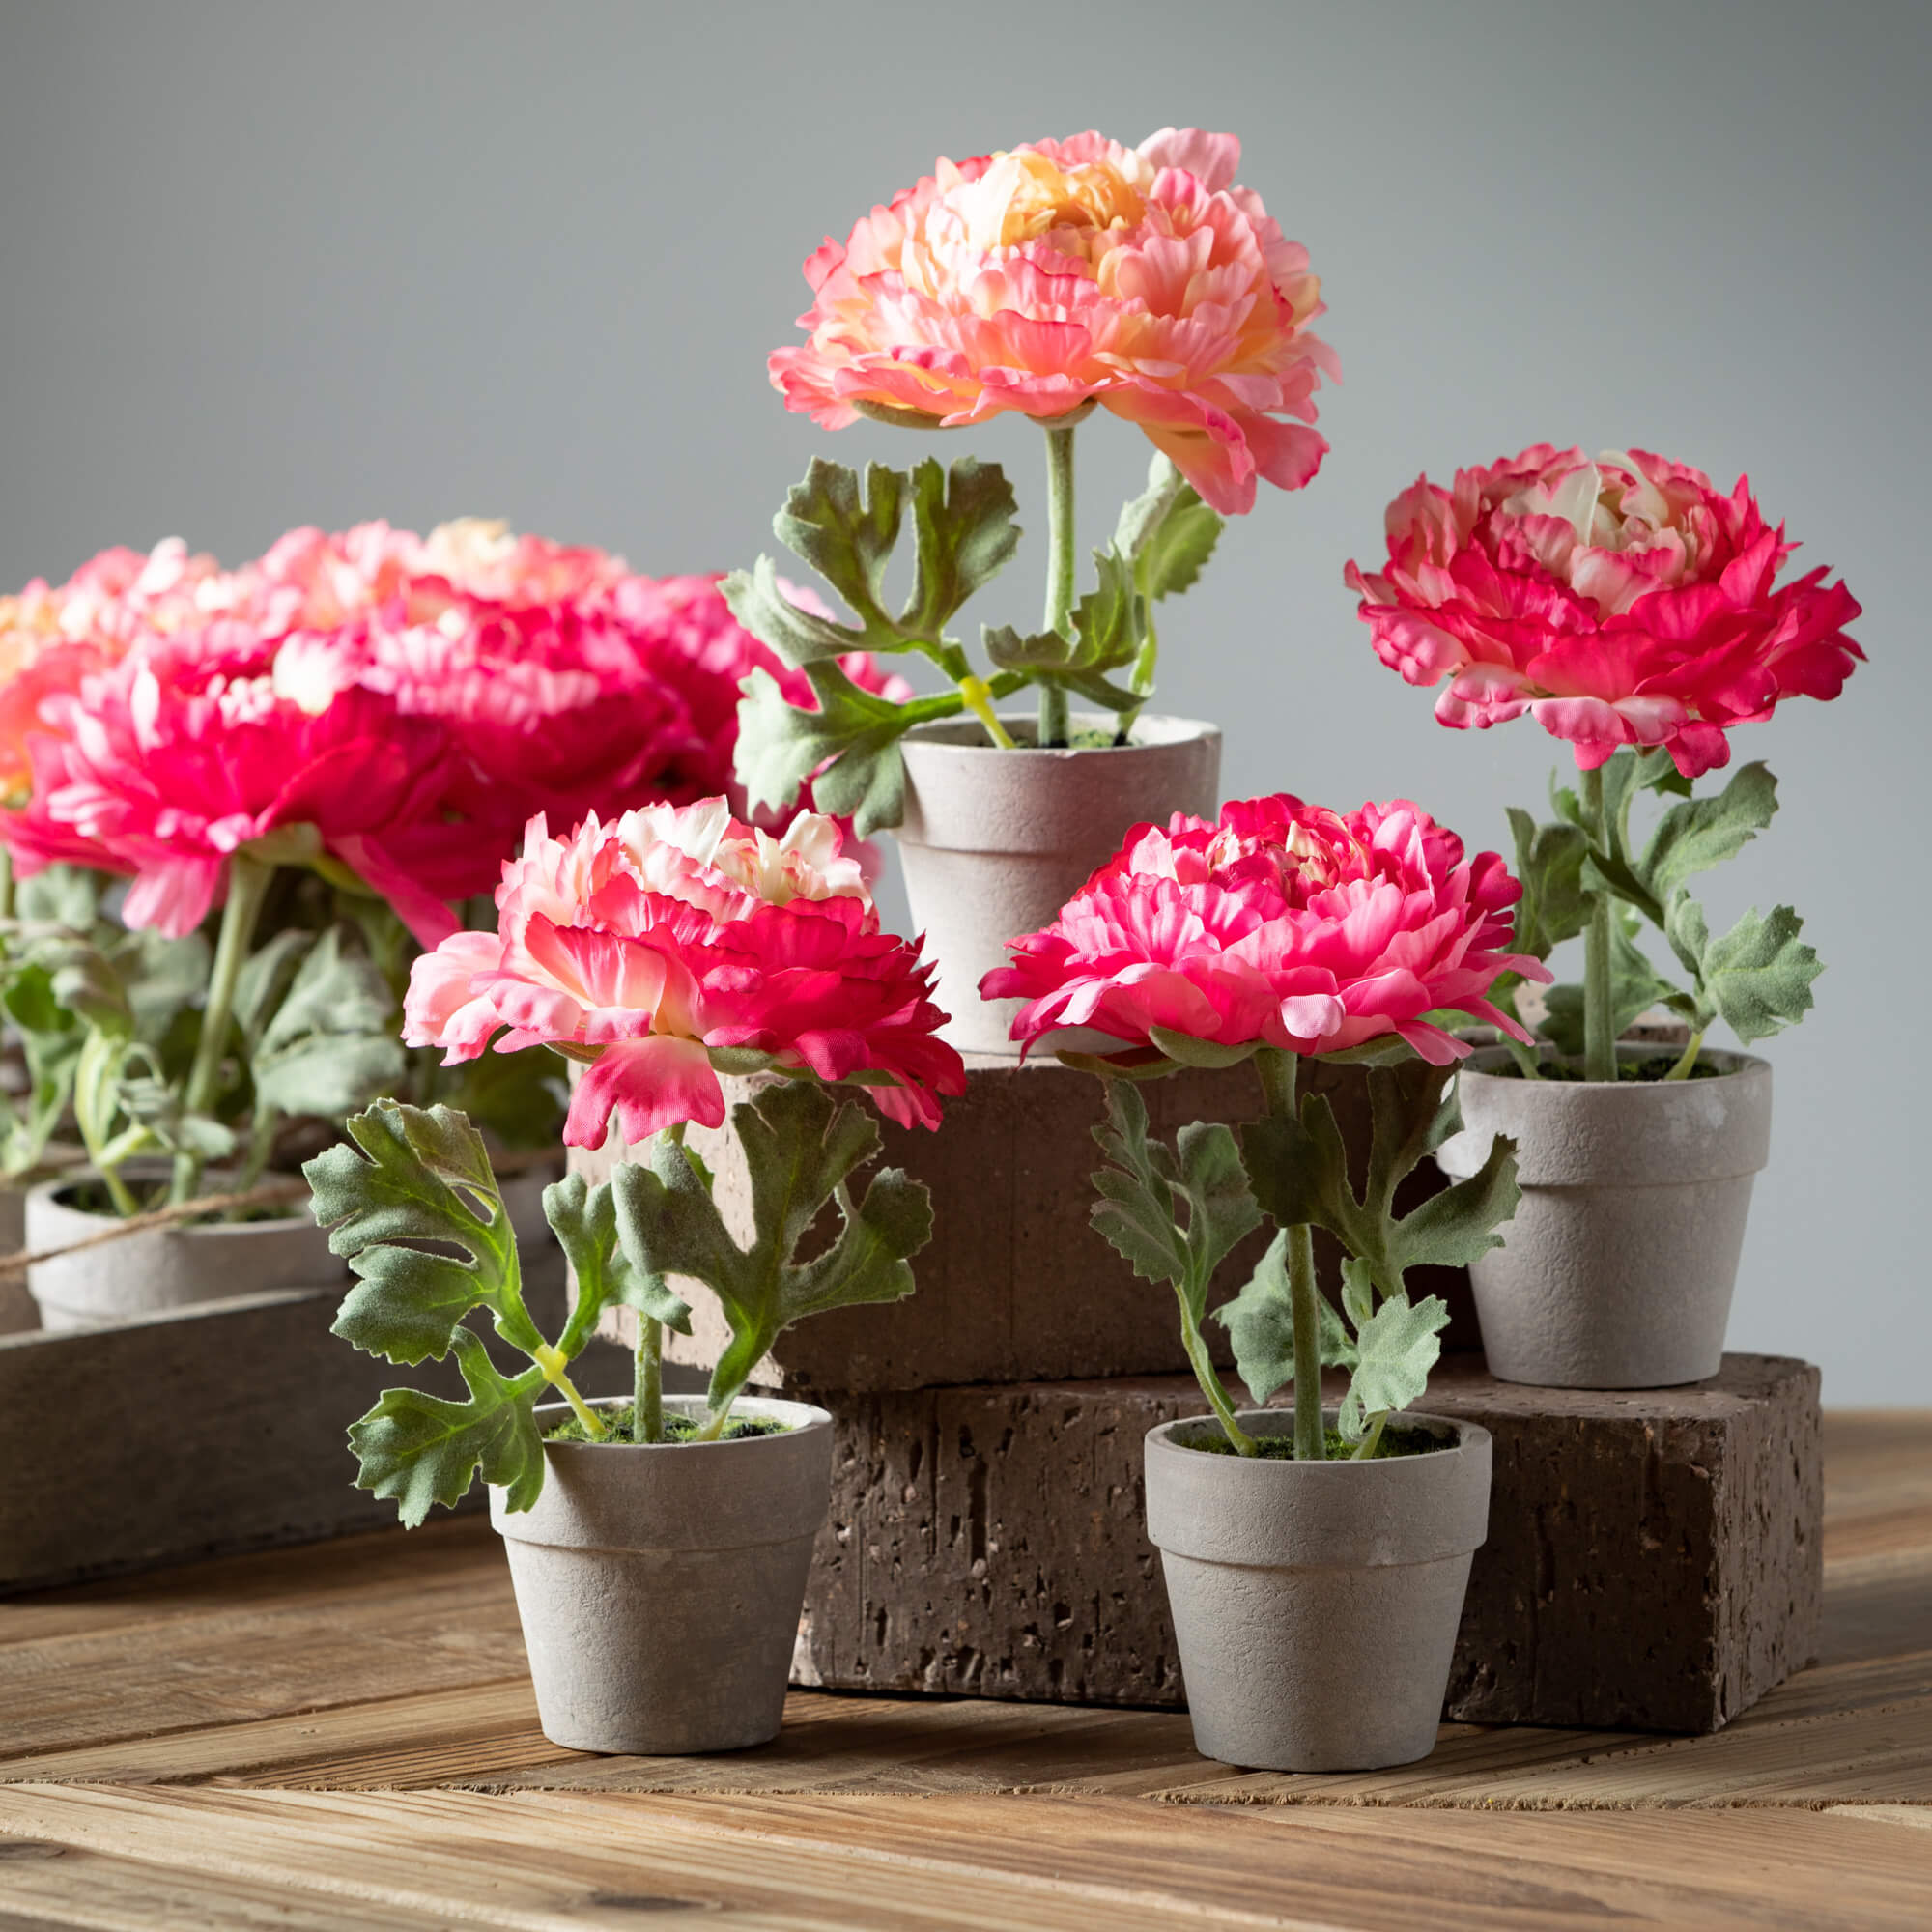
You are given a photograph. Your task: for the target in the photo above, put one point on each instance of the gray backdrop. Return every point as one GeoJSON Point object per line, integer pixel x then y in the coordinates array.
{"type": "Point", "coordinates": [268, 264]}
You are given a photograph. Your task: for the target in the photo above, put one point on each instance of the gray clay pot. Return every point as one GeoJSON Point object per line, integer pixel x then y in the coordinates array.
{"type": "Point", "coordinates": [18, 1312]}
{"type": "Point", "coordinates": [660, 1586]}
{"type": "Point", "coordinates": [1316, 1604]}
{"type": "Point", "coordinates": [1617, 1270]}
{"type": "Point", "coordinates": [995, 842]}
{"type": "Point", "coordinates": [163, 1267]}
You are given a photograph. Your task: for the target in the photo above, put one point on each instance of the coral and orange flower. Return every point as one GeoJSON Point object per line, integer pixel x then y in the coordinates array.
{"type": "Point", "coordinates": [1283, 924]}
{"type": "Point", "coordinates": [1066, 273]}
{"type": "Point", "coordinates": [643, 945]}
{"type": "Point", "coordinates": [1621, 602]}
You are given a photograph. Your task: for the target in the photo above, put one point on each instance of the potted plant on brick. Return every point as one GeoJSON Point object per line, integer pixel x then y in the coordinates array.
{"type": "Point", "coordinates": [659, 1547]}
{"type": "Point", "coordinates": [1048, 281]}
{"type": "Point", "coordinates": [1634, 610]}
{"type": "Point", "coordinates": [1316, 1561]}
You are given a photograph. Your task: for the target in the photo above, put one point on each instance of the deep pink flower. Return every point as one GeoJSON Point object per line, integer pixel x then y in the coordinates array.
{"type": "Point", "coordinates": [1284, 925]}
{"type": "Point", "coordinates": [1143, 278]}
{"type": "Point", "coordinates": [643, 945]}
{"type": "Point", "coordinates": [1621, 602]}
{"type": "Point", "coordinates": [167, 763]}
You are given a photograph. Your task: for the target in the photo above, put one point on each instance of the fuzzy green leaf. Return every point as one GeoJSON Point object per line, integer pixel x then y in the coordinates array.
{"type": "Point", "coordinates": [1457, 1226]}
{"type": "Point", "coordinates": [1757, 977]}
{"type": "Point", "coordinates": [1259, 1322]}
{"type": "Point", "coordinates": [1180, 547]}
{"type": "Point", "coordinates": [328, 1046]}
{"type": "Point", "coordinates": [418, 1449]}
{"type": "Point", "coordinates": [584, 1221]}
{"type": "Point", "coordinates": [964, 534]}
{"type": "Point", "coordinates": [801, 1146]}
{"type": "Point", "coordinates": [1191, 1052]}
{"type": "Point", "coordinates": [1398, 1346]}
{"type": "Point", "coordinates": [419, 1176]}
{"type": "Point", "coordinates": [1549, 864]}
{"type": "Point", "coordinates": [1697, 834]}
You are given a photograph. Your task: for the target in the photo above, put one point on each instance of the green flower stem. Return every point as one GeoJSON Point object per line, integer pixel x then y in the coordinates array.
{"type": "Point", "coordinates": [1365, 1450]}
{"type": "Point", "coordinates": [1053, 719]}
{"type": "Point", "coordinates": [1277, 1071]}
{"type": "Point", "coordinates": [556, 1373]}
{"type": "Point", "coordinates": [1688, 1058]}
{"type": "Point", "coordinates": [1599, 1026]}
{"type": "Point", "coordinates": [248, 881]}
{"type": "Point", "coordinates": [6, 883]}
{"type": "Point", "coordinates": [648, 1421]}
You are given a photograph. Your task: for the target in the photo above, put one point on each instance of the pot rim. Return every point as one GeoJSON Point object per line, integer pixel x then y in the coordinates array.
{"type": "Point", "coordinates": [806, 1418]}
{"type": "Point", "coordinates": [50, 1189]}
{"type": "Point", "coordinates": [1266, 1515]}
{"type": "Point", "coordinates": [937, 735]}
{"type": "Point", "coordinates": [1738, 1061]}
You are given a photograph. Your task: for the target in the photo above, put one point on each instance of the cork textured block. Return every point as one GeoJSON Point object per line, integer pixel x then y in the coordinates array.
{"type": "Point", "coordinates": [1015, 1285]}
{"type": "Point", "coordinates": [1653, 1559]}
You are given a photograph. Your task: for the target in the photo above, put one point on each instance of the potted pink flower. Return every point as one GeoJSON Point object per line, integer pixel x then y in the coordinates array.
{"type": "Point", "coordinates": [1316, 1562]}
{"type": "Point", "coordinates": [659, 1547]}
{"type": "Point", "coordinates": [299, 768]}
{"type": "Point", "coordinates": [1058, 278]}
{"type": "Point", "coordinates": [1636, 611]}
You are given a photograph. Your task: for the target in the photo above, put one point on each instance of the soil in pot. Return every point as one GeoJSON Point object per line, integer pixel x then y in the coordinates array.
{"type": "Point", "coordinates": [1316, 1604]}
{"type": "Point", "coordinates": [1617, 1270]}
{"type": "Point", "coordinates": [659, 1584]}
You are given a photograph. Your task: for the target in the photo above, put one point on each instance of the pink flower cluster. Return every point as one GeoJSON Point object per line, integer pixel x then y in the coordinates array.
{"type": "Point", "coordinates": [643, 943]}
{"type": "Point", "coordinates": [1145, 280]}
{"type": "Point", "coordinates": [400, 704]}
{"type": "Point", "coordinates": [1282, 924]}
{"type": "Point", "coordinates": [1620, 601]}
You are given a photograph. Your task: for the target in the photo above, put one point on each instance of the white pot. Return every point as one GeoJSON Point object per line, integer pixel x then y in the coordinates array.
{"type": "Point", "coordinates": [16, 1306]}
{"type": "Point", "coordinates": [1316, 1604]}
{"type": "Point", "coordinates": [995, 842]}
{"type": "Point", "coordinates": [1617, 1270]}
{"type": "Point", "coordinates": [660, 1586]}
{"type": "Point", "coordinates": [161, 1267]}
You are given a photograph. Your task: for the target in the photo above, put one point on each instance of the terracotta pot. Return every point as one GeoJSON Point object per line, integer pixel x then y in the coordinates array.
{"type": "Point", "coordinates": [1617, 1270]}
{"type": "Point", "coordinates": [995, 842]}
{"type": "Point", "coordinates": [660, 1585]}
{"type": "Point", "coordinates": [1316, 1604]}
{"type": "Point", "coordinates": [163, 1267]}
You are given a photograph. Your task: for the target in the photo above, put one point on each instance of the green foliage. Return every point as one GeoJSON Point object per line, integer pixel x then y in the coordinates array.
{"type": "Point", "coordinates": [801, 1146]}
{"type": "Point", "coordinates": [1756, 977]}
{"type": "Point", "coordinates": [410, 1201]}
{"type": "Point", "coordinates": [1298, 1168]}
{"type": "Point", "coordinates": [1261, 1323]}
{"type": "Point", "coordinates": [1145, 1186]}
{"type": "Point", "coordinates": [848, 528]}
{"type": "Point", "coordinates": [318, 1025]}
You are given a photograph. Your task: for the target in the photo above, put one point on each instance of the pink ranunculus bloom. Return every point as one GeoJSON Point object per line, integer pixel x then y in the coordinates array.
{"type": "Point", "coordinates": [1283, 924]}
{"type": "Point", "coordinates": [577, 687]}
{"type": "Point", "coordinates": [1143, 278]}
{"type": "Point", "coordinates": [1620, 601]}
{"type": "Point", "coordinates": [167, 763]}
{"type": "Point", "coordinates": [643, 945]}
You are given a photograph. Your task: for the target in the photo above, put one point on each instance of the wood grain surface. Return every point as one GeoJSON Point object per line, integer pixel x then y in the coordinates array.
{"type": "Point", "coordinates": [343, 1736]}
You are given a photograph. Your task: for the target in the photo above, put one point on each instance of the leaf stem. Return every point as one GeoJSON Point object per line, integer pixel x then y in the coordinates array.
{"type": "Point", "coordinates": [978, 697]}
{"type": "Point", "coordinates": [1688, 1058]}
{"type": "Point", "coordinates": [248, 882]}
{"type": "Point", "coordinates": [647, 1411]}
{"type": "Point", "coordinates": [556, 1373]}
{"type": "Point", "coordinates": [1366, 1448]}
{"type": "Point", "coordinates": [1053, 717]}
{"type": "Point", "coordinates": [1600, 1033]}
{"type": "Point", "coordinates": [1278, 1070]}
{"type": "Point", "coordinates": [1210, 1384]}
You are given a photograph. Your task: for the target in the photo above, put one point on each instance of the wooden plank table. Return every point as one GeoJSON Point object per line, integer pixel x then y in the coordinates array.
{"type": "Point", "coordinates": [342, 1736]}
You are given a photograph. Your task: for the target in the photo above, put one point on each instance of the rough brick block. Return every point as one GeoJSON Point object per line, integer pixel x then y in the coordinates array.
{"type": "Point", "coordinates": [1653, 1559]}
{"type": "Point", "coordinates": [1016, 1286]}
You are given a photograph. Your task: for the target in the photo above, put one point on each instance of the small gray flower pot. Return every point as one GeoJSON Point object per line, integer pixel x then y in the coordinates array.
{"type": "Point", "coordinates": [994, 843]}
{"type": "Point", "coordinates": [161, 1267]}
{"type": "Point", "coordinates": [1316, 1604]}
{"type": "Point", "coordinates": [1617, 1270]}
{"type": "Point", "coordinates": [660, 1585]}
